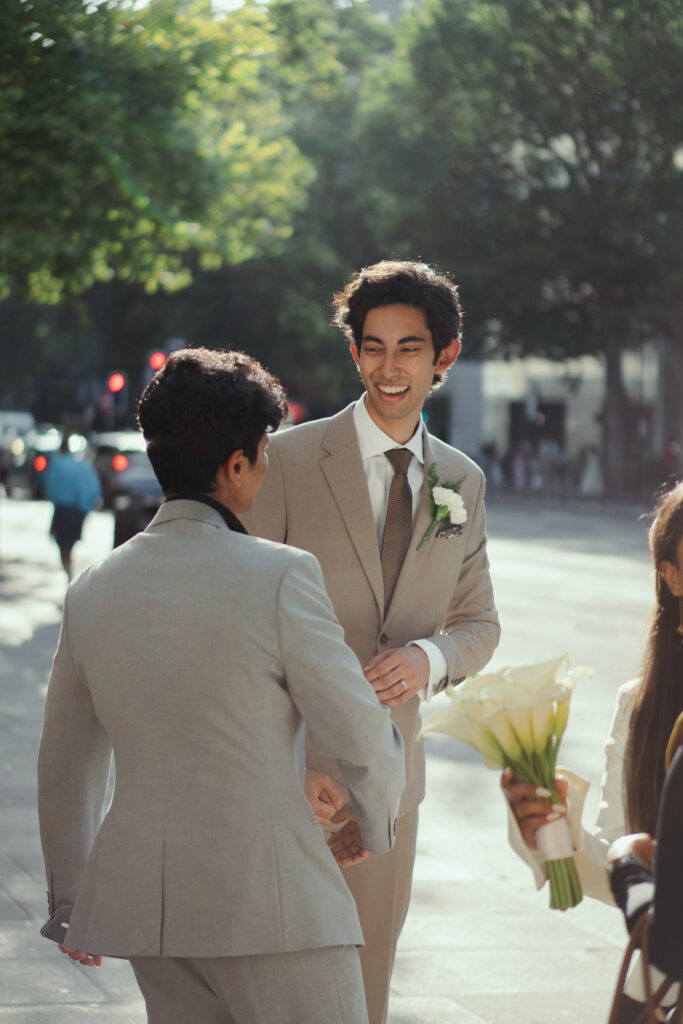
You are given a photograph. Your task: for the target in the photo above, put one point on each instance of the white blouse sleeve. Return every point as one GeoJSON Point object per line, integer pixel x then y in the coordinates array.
{"type": "Point", "coordinates": [611, 819]}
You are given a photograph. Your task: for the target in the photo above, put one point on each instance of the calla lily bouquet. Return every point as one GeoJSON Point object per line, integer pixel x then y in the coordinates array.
{"type": "Point", "coordinates": [516, 718]}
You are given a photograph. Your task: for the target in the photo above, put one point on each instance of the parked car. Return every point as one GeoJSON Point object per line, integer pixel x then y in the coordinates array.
{"type": "Point", "coordinates": [129, 486]}
{"type": "Point", "coordinates": [14, 424]}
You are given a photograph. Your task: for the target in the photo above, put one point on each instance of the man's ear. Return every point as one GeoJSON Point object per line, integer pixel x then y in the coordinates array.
{"type": "Point", "coordinates": [234, 468]}
{"type": "Point", "coordinates": [355, 355]}
{"type": "Point", "coordinates": [673, 577]}
{"type": "Point", "coordinates": [448, 355]}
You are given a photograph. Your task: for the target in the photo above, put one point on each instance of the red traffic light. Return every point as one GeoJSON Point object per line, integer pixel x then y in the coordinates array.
{"type": "Point", "coordinates": [119, 462]}
{"type": "Point", "coordinates": [40, 463]}
{"type": "Point", "coordinates": [116, 382]}
{"type": "Point", "coordinates": [157, 360]}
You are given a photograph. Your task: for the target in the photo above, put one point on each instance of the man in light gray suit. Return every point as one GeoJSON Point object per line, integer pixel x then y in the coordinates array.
{"type": "Point", "coordinates": [356, 490]}
{"type": "Point", "coordinates": [196, 653]}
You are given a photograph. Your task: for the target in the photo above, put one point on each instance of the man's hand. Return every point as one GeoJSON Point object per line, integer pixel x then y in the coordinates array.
{"type": "Point", "coordinates": [84, 959]}
{"type": "Point", "coordinates": [531, 804]}
{"type": "Point", "coordinates": [398, 674]}
{"type": "Point", "coordinates": [346, 844]}
{"type": "Point", "coordinates": [323, 796]}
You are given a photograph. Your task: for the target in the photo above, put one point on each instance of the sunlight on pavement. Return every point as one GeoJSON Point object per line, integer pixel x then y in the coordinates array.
{"type": "Point", "coordinates": [32, 582]}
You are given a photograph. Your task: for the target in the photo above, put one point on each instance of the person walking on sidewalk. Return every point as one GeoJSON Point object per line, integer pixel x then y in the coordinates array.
{"type": "Point", "coordinates": [74, 489]}
{"type": "Point", "coordinates": [196, 653]}
{"type": "Point", "coordinates": [358, 491]}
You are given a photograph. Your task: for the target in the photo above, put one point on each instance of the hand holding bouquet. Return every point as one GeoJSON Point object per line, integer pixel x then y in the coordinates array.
{"type": "Point", "coordinates": [516, 719]}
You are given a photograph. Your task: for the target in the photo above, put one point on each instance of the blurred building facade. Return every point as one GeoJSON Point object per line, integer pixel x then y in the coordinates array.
{"type": "Point", "coordinates": [555, 411]}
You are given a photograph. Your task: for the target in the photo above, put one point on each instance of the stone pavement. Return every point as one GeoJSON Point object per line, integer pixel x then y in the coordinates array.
{"type": "Point", "coordinates": [479, 946]}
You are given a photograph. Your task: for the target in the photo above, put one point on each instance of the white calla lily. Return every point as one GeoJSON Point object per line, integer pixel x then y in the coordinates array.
{"type": "Point", "coordinates": [498, 723]}
{"type": "Point", "coordinates": [561, 716]}
{"type": "Point", "coordinates": [516, 717]}
{"type": "Point", "coordinates": [535, 678]}
{"type": "Point", "coordinates": [468, 730]}
{"type": "Point", "coordinates": [474, 685]}
{"type": "Point", "coordinates": [542, 715]}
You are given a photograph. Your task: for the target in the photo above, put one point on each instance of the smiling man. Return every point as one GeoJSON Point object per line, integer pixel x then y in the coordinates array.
{"type": "Point", "coordinates": [355, 489]}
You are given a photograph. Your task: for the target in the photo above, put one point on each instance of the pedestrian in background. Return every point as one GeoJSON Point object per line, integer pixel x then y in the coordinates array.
{"type": "Point", "coordinates": [73, 487]}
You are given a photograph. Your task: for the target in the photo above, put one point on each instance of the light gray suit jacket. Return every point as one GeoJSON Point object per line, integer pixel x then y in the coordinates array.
{"type": "Point", "coordinates": [197, 653]}
{"type": "Point", "coordinates": [315, 496]}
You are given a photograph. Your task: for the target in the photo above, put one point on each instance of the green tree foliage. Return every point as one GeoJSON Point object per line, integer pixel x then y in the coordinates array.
{"type": "Point", "coordinates": [132, 136]}
{"type": "Point", "coordinates": [278, 308]}
{"type": "Point", "coordinates": [535, 147]}
{"type": "Point", "coordinates": [325, 49]}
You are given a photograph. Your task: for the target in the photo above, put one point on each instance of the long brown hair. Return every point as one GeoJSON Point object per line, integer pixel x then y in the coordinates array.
{"type": "Point", "coordinates": [659, 696]}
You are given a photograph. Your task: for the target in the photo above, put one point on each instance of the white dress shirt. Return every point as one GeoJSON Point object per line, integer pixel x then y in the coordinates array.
{"type": "Point", "coordinates": [373, 443]}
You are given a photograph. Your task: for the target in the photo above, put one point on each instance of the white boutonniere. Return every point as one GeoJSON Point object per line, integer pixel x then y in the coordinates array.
{"type": "Point", "coordinates": [445, 503]}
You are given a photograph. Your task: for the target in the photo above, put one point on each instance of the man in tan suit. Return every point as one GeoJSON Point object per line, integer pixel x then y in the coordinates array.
{"type": "Point", "coordinates": [197, 653]}
{"type": "Point", "coordinates": [415, 623]}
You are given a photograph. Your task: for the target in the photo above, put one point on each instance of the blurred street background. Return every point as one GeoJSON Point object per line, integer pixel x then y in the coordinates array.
{"type": "Point", "coordinates": [225, 166]}
{"type": "Point", "coordinates": [209, 172]}
{"type": "Point", "coordinates": [480, 945]}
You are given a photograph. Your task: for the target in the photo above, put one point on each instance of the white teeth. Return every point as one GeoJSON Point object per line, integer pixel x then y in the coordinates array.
{"type": "Point", "coordinates": [387, 390]}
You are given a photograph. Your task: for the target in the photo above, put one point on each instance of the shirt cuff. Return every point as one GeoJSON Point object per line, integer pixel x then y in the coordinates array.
{"type": "Point", "coordinates": [438, 667]}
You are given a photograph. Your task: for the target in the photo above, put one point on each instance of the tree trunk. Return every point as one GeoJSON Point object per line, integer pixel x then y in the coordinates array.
{"type": "Point", "coordinates": [672, 391]}
{"type": "Point", "coordinates": [614, 434]}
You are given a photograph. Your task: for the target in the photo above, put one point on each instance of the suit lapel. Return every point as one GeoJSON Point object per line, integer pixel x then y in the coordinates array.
{"type": "Point", "coordinates": [343, 470]}
{"type": "Point", "coordinates": [414, 559]}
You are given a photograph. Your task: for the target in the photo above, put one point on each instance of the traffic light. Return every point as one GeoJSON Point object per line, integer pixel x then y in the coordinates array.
{"type": "Point", "coordinates": [156, 360]}
{"type": "Point", "coordinates": [117, 383]}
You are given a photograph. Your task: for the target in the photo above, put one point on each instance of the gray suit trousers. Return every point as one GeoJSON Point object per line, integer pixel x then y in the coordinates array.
{"type": "Point", "coordinates": [304, 987]}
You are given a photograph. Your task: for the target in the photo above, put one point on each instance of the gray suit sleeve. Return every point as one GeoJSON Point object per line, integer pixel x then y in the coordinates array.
{"type": "Point", "coordinates": [344, 718]}
{"type": "Point", "coordinates": [471, 630]}
{"type": "Point", "coordinates": [73, 771]}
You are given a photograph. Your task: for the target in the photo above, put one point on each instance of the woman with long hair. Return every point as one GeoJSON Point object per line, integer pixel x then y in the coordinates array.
{"type": "Point", "coordinates": [645, 714]}
{"type": "Point", "coordinates": [658, 695]}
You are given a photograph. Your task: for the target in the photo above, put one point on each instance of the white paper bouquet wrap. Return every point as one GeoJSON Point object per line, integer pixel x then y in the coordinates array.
{"type": "Point", "coordinates": [516, 719]}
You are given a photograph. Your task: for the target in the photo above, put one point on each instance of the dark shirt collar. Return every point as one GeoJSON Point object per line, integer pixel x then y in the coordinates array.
{"type": "Point", "coordinates": [229, 517]}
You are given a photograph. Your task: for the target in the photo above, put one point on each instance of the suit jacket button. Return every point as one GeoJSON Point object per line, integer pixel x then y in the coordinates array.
{"type": "Point", "coordinates": [383, 638]}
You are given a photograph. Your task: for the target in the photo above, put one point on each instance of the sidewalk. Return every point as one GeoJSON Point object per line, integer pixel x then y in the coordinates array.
{"type": "Point", "coordinates": [479, 946]}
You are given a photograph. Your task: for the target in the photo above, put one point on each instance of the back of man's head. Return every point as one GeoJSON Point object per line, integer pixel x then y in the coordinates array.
{"type": "Point", "coordinates": [201, 407]}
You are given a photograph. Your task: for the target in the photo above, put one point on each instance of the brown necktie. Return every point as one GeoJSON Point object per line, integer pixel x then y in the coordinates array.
{"type": "Point", "coordinates": [398, 525]}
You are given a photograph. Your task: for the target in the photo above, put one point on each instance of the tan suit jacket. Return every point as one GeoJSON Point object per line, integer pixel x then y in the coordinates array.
{"type": "Point", "coordinates": [315, 497]}
{"type": "Point", "coordinates": [197, 653]}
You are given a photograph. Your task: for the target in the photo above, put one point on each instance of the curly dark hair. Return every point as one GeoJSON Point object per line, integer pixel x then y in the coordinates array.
{"type": "Point", "coordinates": [201, 407]}
{"type": "Point", "coordinates": [406, 282]}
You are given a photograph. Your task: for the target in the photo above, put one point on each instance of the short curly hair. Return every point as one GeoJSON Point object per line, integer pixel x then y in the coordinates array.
{"type": "Point", "coordinates": [404, 282]}
{"type": "Point", "coordinates": [202, 406]}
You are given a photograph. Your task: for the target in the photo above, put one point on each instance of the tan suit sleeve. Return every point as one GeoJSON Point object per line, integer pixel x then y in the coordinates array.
{"type": "Point", "coordinates": [73, 771]}
{"type": "Point", "coordinates": [470, 630]}
{"type": "Point", "coordinates": [341, 711]}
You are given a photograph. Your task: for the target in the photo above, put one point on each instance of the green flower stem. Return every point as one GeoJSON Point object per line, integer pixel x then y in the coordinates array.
{"type": "Point", "coordinates": [565, 888]}
{"type": "Point", "coordinates": [438, 517]}
{"type": "Point", "coordinates": [539, 770]}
